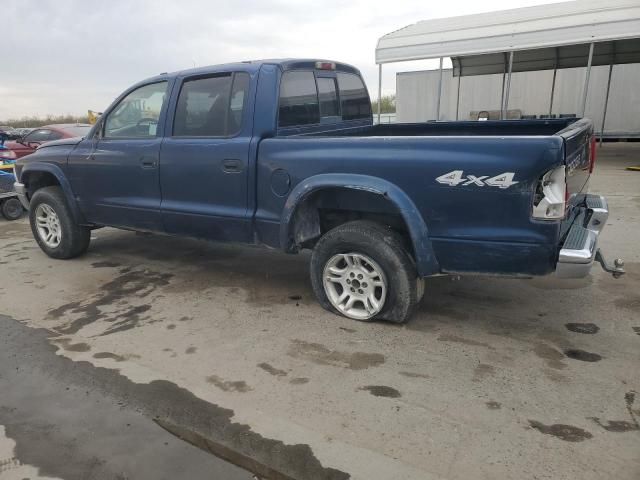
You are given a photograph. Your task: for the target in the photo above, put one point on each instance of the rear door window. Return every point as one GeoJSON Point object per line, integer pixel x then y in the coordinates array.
{"type": "Point", "coordinates": [202, 107]}
{"type": "Point", "coordinates": [298, 103]}
{"type": "Point", "coordinates": [328, 97]}
{"type": "Point", "coordinates": [353, 96]}
{"type": "Point", "coordinates": [211, 106]}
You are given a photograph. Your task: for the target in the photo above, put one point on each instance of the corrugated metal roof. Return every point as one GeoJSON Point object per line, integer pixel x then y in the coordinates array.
{"type": "Point", "coordinates": [615, 52]}
{"type": "Point", "coordinates": [539, 27]}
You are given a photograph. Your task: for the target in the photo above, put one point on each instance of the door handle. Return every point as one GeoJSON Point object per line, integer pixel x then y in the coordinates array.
{"type": "Point", "coordinates": [231, 166]}
{"type": "Point", "coordinates": [148, 164]}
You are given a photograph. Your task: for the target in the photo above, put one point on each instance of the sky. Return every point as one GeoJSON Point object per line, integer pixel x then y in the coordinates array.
{"type": "Point", "coordinates": [69, 56]}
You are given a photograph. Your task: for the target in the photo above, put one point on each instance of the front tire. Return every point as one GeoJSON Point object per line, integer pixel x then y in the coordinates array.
{"type": "Point", "coordinates": [362, 271]}
{"type": "Point", "coordinates": [53, 226]}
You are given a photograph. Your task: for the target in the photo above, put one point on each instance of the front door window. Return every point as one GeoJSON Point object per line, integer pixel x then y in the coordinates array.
{"type": "Point", "coordinates": [137, 114]}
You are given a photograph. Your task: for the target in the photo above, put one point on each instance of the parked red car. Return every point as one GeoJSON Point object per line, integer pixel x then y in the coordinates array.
{"type": "Point", "coordinates": [31, 141]}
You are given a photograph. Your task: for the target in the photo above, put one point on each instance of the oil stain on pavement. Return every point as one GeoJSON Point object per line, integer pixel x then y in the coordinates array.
{"type": "Point", "coordinates": [321, 355]}
{"type": "Point", "coordinates": [136, 283]}
{"type": "Point", "coordinates": [586, 328]}
{"type": "Point", "coordinates": [276, 372]}
{"type": "Point", "coordinates": [382, 391]}
{"type": "Point", "coordinates": [66, 344]}
{"type": "Point", "coordinates": [568, 433]}
{"type": "Point", "coordinates": [229, 385]}
{"type": "Point", "coordinates": [583, 356]}
{"type": "Point", "coordinates": [616, 425]}
{"type": "Point", "coordinates": [109, 355]}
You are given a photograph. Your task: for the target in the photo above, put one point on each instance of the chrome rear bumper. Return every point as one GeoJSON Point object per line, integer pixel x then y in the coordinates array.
{"type": "Point", "coordinates": [580, 248]}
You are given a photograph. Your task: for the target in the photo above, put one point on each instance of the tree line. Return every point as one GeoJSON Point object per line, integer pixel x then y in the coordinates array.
{"type": "Point", "coordinates": [387, 104]}
{"type": "Point", "coordinates": [35, 121]}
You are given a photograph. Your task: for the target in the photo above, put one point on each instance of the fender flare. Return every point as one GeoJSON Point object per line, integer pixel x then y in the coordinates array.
{"type": "Point", "coordinates": [426, 261]}
{"type": "Point", "coordinates": [56, 171]}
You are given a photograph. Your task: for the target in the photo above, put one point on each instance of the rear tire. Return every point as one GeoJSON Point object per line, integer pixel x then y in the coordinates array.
{"type": "Point", "coordinates": [377, 252]}
{"type": "Point", "coordinates": [12, 209]}
{"type": "Point", "coordinates": [53, 226]}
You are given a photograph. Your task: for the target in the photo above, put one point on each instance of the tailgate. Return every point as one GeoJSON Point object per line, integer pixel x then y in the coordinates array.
{"type": "Point", "coordinates": [579, 146]}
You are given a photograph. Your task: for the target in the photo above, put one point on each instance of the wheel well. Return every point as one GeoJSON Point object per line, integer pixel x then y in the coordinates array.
{"type": "Point", "coordinates": [325, 209]}
{"type": "Point", "coordinates": [37, 180]}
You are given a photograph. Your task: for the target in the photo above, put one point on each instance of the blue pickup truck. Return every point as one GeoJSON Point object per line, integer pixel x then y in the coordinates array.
{"type": "Point", "coordinates": [284, 153]}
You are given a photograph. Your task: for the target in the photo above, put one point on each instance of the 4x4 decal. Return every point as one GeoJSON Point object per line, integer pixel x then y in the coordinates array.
{"type": "Point", "coordinates": [457, 177]}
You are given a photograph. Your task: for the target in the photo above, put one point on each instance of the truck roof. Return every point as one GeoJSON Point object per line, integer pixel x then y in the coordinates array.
{"type": "Point", "coordinates": [254, 65]}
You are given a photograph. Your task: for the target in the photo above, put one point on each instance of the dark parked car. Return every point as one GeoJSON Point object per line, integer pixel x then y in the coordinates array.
{"type": "Point", "coordinates": [27, 144]}
{"type": "Point", "coordinates": [23, 131]}
{"type": "Point", "coordinates": [285, 154]}
{"type": "Point", "coordinates": [9, 133]}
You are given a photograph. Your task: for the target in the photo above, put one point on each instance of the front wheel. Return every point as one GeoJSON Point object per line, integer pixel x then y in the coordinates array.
{"type": "Point", "coordinates": [53, 226]}
{"type": "Point", "coordinates": [361, 270]}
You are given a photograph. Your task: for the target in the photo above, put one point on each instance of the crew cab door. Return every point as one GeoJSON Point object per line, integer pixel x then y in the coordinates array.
{"type": "Point", "coordinates": [204, 161]}
{"type": "Point", "coordinates": [114, 175]}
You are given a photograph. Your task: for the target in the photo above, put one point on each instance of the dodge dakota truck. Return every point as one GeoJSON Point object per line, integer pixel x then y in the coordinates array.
{"type": "Point", "coordinates": [284, 153]}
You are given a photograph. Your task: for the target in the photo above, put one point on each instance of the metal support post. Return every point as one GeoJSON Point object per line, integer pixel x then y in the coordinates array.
{"type": "Point", "coordinates": [379, 91]}
{"type": "Point", "coordinates": [458, 98]}
{"type": "Point", "coordinates": [606, 103]}
{"type": "Point", "coordinates": [553, 89]}
{"type": "Point", "coordinates": [439, 92]}
{"type": "Point", "coordinates": [506, 94]}
{"type": "Point", "coordinates": [585, 90]}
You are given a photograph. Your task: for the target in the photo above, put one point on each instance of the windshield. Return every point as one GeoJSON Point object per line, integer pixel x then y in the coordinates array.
{"type": "Point", "coordinates": [77, 130]}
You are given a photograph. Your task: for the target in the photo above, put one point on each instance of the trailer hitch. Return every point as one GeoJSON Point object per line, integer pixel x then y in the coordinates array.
{"type": "Point", "coordinates": [616, 270]}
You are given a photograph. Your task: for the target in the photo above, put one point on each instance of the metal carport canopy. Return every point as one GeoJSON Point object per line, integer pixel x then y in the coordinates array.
{"type": "Point", "coordinates": [542, 26]}
{"type": "Point", "coordinates": [551, 36]}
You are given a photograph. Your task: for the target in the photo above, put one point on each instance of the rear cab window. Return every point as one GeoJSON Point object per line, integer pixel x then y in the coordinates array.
{"type": "Point", "coordinates": [298, 104]}
{"type": "Point", "coordinates": [328, 97]}
{"type": "Point", "coordinates": [309, 97]}
{"type": "Point", "coordinates": [354, 98]}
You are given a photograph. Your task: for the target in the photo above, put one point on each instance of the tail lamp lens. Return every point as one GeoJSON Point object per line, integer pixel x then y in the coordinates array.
{"type": "Point", "coordinates": [550, 199]}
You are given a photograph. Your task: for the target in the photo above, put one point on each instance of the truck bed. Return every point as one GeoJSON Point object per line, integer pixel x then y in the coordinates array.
{"type": "Point", "coordinates": [464, 128]}
{"type": "Point", "coordinates": [574, 133]}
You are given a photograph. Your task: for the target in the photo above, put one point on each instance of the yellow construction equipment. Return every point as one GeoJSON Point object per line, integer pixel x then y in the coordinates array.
{"type": "Point", "coordinates": [93, 116]}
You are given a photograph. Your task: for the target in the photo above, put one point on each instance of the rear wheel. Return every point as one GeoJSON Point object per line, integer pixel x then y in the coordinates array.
{"type": "Point", "coordinates": [53, 225]}
{"type": "Point", "coordinates": [362, 271]}
{"type": "Point", "coordinates": [12, 209]}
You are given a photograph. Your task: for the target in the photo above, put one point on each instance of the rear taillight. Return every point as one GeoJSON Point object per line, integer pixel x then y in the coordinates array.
{"type": "Point", "coordinates": [552, 195]}
{"type": "Point", "coordinates": [592, 154]}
